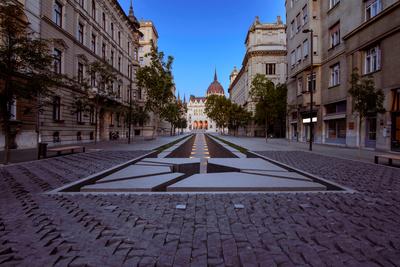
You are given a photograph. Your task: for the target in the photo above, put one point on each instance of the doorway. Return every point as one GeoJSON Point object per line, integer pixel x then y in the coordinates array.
{"type": "Point", "coordinates": [396, 131]}
{"type": "Point", "coordinates": [370, 132]}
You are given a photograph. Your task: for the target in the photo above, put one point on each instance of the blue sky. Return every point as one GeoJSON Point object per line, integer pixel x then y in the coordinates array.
{"type": "Point", "coordinates": [203, 35]}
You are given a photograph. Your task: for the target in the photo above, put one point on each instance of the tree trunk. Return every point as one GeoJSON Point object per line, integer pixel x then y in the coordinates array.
{"type": "Point", "coordinates": [155, 120]}
{"type": "Point", "coordinates": [266, 130]}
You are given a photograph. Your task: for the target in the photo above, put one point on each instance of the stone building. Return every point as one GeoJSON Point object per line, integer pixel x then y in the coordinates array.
{"type": "Point", "coordinates": [197, 119]}
{"type": "Point", "coordinates": [303, 15]}
{"type": "Point", "coordinates": [265, 54]}
{"type": "Point", "coordinates": [82, 32]}
{"type": "Point", "coordinates": [359, 35]}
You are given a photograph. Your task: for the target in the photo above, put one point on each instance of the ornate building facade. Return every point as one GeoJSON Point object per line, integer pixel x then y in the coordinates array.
{"type": "Point", "coordinates": [196, 117]}
{"type": "Point", "coordinates": [265, 54]}
{"type": "Point", "coordinates": [81, 32]}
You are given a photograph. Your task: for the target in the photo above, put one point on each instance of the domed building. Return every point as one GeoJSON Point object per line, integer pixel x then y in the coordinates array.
{"type": "Point", "coordinates": [196, 117]}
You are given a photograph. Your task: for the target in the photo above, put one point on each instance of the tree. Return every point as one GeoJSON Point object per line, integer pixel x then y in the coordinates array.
{"type": "Point", "coordinates": [366, 98]}
{"type": "Point", "coordinates": [171, 114]}
{"type": "Point", "coordinates": [270, 101]}
{"type": "Point", "coordinates": [263, 93]}
{"type": "Point", "coordinates": [157, 81]}
{"type": "Point", "coordinates": [217, 109]}
{"type": "Point", "coordinates": [238, 117]}
{"type": "Point", "coordinates": [26, 70]}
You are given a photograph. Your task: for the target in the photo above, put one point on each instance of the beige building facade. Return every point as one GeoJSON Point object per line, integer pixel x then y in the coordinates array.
{"type": "Point", "coordinates": [81, 32]}
{"type": "Point", "coordinates": [265, 54]}
{"type": "Point", "coordinates": [348, 35]}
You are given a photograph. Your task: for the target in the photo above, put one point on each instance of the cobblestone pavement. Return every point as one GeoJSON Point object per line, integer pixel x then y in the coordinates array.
{"type": "Point", "coordinates": [336, 229]}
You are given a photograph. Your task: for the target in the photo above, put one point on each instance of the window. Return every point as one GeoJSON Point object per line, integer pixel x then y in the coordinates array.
{"type": "Point", "coordinates": [298, 22]}
{"type": "Point", "coordinates": [119, 63]}
{"type": "Point", "coordinates": [270, 69]}
{"type": "Point", "coordinates": [334, 33]}
{"type": "Point", "coordinates": [333, 3]}
{"type": "Point", "coordinates": [335, 75]}
{"type": "Point", "coordinates": [336, 129]}
{"type": "Point", "coordinates": [92, 115]}
{"type": "Point", "coordinates": [112, 30]}
{"type": "Point", "coordinates": [93, 79]}
{"type": "Point", "coordinates": [79, 116]}
{"type": "Point", "coordinates": [56, 108]}
{"type": "Point", "coordinates": [305, 48]}
{"type": "Point", "coordinates": [305, 14]}
{"type": "Point", "coordinates": [56, 137]}
{"type": "Point", "coordinates": [78, 136]}
{"type": "Point", "coordinates": [314, 84]}
{"type": "Point", "coordinates": [80, 72]}
{"type": "Point", "coordinates": [93, 43]}
{"type": "Point", "coordinates": [336, 108]}
{"type": "Point", "coordinates": [57, 61]}
{"type": "Point", "coordinates": [372, 60]}
{"type": "Point", "coordinates": [104, 20]}
{"type": "Point", "coordinates": [112, 58]}
{"type": "Point", "coordinates": [298, 54]}
{"type": "Point", "coordinates": [58, 13]}
{"type": "Point", "coordinates": [94, 9]}
{"type": "Point", "coordinates": [119, 91]}
{"type": "Point", "coordinates": [118, 119]}
{"type": "Point", "coordinates": [103, 50]}
{"type": "Point", "coordinates": [293, 58]}
{"type": "Point", "coordinates": [119, 37]}
{"type": "Point", "coordinates": [372, 8]}
{"type": "Point", "coordinates": [292, 29]}
{"type": "Point", "coordinates": [300, 86]}
{"type": "Point", "coordinates": [80, 32]}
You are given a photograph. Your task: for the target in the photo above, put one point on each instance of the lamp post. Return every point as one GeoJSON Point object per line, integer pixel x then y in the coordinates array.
{"type": "Point", "coordinates": [312, 84]}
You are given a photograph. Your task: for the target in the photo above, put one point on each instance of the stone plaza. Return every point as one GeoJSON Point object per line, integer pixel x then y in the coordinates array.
{"type": "Point", "coordinates": [358, 228]}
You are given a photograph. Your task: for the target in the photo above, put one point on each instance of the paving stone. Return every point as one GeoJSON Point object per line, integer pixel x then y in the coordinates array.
{"type": "Point", "coordinates": [236, 182]}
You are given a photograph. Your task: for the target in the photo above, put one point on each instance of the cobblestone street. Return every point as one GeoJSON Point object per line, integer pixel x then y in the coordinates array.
{"type": "Point", "coordinates": [314, 229]}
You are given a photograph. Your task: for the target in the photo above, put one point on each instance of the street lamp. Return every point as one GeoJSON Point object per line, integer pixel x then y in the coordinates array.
{"type": "Point", "coordinates": [312, 84]}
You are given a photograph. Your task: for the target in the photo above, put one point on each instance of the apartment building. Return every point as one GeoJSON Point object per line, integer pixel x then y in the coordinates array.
{"type": "Point", "coordinates": [352, 35]}
{"type": "Point", "coordinates": [83, 31]}
{"type": "Point", "coordinates": [303, 15]}
{"type": "Point", "coordinates": [372, 47]}
{"type": "Point", "coordinates": [265, 54]}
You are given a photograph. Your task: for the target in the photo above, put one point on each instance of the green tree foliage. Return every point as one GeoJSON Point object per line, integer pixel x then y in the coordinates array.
{"type": "Point", "coordinates": [366, 98]}
{"type": "Point", "coordinates": [171, 114]}
{"type": "Point", "coordinates": [270, 101]}
{"type": "Point", "coordinates": [226, 114]}
{"type": "Point", "coordinates": [217, 109]}
{"type": "Point", "coordinates": [238, 117]}
{"type": "Point", "coordinates": [26, 70]}
{"type": "Point", "coordinates": [157, 81]}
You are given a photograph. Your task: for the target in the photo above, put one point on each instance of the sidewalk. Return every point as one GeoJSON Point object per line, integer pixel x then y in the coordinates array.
{"type": "Point", "coordinates": [259, 144]}
{"type": "Point", "coordinates": [23, 155]}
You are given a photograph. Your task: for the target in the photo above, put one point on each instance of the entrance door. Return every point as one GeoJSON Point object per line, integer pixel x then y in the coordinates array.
{"type": "Point", "coordinates": [396, 131]}
{"type": "Point", "coordinates": [370, 137]}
